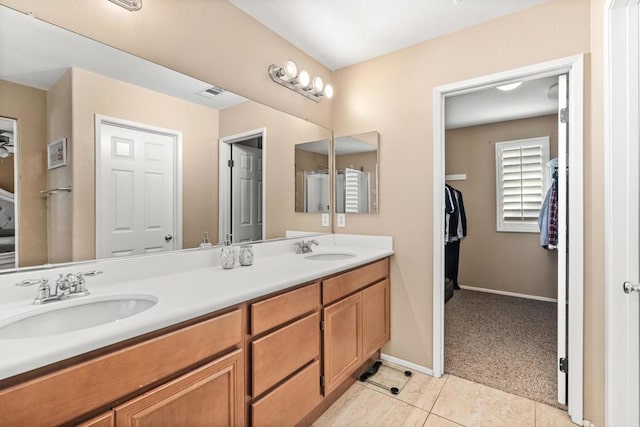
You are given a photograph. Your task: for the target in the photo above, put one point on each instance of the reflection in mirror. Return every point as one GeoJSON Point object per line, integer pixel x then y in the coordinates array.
{"type": "Point", "coordinates": [7, 194]}
{"type": "Point", "coordinates": [313, 187]}
{"type": "Point", "coordinates": [142, 149]}
{"type": "Point", "coordinates": [356, 160]}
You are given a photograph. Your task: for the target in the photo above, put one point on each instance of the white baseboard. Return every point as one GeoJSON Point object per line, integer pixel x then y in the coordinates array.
{"type": "Point", "coordinates": [511, 294]}
{"type": "Point", "coordinates": [410, 365]}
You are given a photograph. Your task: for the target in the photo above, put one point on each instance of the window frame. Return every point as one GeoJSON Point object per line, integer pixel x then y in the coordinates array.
{"type": "Point", "coordinates": [513, 226]}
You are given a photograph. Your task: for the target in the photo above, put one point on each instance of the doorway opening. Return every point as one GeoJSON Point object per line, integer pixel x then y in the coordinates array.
{"type": "Point", "coordinates": [524, 150]}
{"type": "Point", "coordinates": [8, 193]}
{"type": "Point", "coordinates": [501, 319]}
{"type": "Point", "coordinates": [242, 187]}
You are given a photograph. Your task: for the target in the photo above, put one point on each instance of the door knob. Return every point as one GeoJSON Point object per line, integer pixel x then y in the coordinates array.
{"type": "Point", "coordinates": [629, 287]}
{"type": "Point", "coordinates": [168, 237]}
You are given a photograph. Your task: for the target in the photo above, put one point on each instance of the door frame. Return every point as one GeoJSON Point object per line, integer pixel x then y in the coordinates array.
{"type": "Point", "coordinates": [621, 177]}
{"type": "Point", "coordinates": [224, 180]}
{"type": "Point", "coordinates": [101, 120]}
{"type": "Point", "coordinates": [16, 187]}
{"type": "Point", "coordinates": [574, 66]}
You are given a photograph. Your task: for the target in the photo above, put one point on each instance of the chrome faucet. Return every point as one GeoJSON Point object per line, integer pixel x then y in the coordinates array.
{"type": "Point", "coordinates": [67, 286]}
{"type": "Point", "coordinates": [303, 247]}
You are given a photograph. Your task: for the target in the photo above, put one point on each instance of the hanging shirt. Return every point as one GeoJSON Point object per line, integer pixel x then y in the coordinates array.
{"type": "Point", "coordinates": [455, 216]}
{"type": "Point", "coordinates": [548, 217]}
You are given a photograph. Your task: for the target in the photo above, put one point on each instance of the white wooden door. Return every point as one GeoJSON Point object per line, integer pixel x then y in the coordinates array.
{"type": "Point", "coordinates": [622, 213]}
{"type": "Point", "coordinates": [563, 297]}
{"type": "Point", "coordinates": [136, 193]}
{"type": "Point", "coordinates": [246, 193]}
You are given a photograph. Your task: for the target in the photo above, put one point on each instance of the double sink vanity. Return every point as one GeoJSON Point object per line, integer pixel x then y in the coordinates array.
{"type": "Point", "coordinates": [175, 339]}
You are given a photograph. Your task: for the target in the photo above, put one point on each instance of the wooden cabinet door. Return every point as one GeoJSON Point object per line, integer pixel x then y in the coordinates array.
{"type": "Point", "coordinates": [211, 395]}
{"type": "Point", "coordinates": [105, 420]}
{"type": "Point", "coordinates": [342, 340]}
{"type": "Point", "coordinates": [375, 317]}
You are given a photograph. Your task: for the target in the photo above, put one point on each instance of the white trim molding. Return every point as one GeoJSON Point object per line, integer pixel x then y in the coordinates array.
{"type": "Point", "coordinates": [509, 294]}
{"type": "Point", "coordinates": [622, 216]}
{"type": "Point", "coordinates": [224, 180]}
{"type": "Point", "coordinates": [574, 66]}
{"type": "Point", "coordinates": [406, 364]}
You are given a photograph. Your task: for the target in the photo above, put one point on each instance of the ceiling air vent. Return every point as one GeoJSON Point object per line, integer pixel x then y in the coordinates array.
{"type": "Point", "coordinates": [210, 92]}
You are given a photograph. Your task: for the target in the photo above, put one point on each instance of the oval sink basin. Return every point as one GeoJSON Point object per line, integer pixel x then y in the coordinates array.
{"type": "Point", "coordinates": [75, 315]}
{"type": "Point", "coordinates": [329, 256]}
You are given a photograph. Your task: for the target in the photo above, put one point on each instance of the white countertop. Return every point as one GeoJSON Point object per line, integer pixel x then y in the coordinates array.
{"type": "Point", "coordinates": [187, 284]}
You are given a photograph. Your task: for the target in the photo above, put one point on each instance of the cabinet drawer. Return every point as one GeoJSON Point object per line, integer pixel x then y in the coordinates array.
{"type": "Point", "coordinates": [292, 401]}
{"type": "Point", "coordinates": [102, 380]}
{"type": "Point", "coordinates": [284, 351]}
{"type": "Point", "coordinates": [345, 284]}
{"type": "Point", "coordinates": [280, 309]}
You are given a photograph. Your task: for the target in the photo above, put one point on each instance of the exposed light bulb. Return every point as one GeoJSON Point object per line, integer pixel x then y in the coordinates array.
{"type": "Point", "coordinates": [290, 69]}
{"type": "Point", "coordinates": [317, 85]}
{"type": "Point", "coordinates": [328, 91]}
{"type": "Point", "coordinates": [304, 79]}
{"type": "Point", "coordinates": [508, 87]}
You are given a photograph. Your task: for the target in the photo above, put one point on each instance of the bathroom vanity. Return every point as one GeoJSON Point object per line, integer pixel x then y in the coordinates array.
{"type": "Point", "coordinates": [286, 344]}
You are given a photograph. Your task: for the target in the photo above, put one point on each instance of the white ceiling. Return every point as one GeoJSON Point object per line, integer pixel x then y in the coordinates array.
{"type": "Point", "coordinates": [492, 105]}
{"type": "Point", "coordinates": [37, 54]}
{"type": "Point", "coordinates": [351, 145]}
{"type": "Point", "coordinates": [339, 33]}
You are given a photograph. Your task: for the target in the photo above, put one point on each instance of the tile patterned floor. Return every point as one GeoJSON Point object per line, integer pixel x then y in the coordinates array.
{"type": "Point", "coordinates": [438, 402]}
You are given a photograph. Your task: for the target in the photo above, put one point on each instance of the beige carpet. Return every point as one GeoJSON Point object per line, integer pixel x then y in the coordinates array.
{"type": "Point", "coordinates": [503, 342]}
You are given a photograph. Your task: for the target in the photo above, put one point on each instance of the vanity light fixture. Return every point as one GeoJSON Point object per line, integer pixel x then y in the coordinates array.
{"type": "Point", "coordinates": [301, 82]}
{"type": "Point", "coordinates": [509, 86]}
{"type": "Point", "coordinates": [130, 5]}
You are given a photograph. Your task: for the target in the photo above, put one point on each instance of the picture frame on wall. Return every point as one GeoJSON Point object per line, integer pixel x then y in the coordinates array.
{"type": "Point", "coordinates": [57, 153]}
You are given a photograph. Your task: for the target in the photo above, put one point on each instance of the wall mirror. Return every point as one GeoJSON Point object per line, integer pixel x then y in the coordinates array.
{"type": "Point", "coordinates": [137, 157]}
{"type": "Point", "coordinates": [356, 164]}
{"type": "Point", "coordinates": [313, 187]}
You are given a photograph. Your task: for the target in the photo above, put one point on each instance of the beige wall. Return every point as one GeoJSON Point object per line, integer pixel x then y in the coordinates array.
{"type": "Point", "coordinates": [306, 161]}
{"type": "Point", "coordinates": [511, 262]}
{"type": "Point", "coordinates": [29, 107]}
{"type": "Point", "coordinates": [210, 40]}
{"type": "Point", "coordinates": [283, 133]}
{"type": "Point", "coordinates": [96, 94]}
{"type": "Point", "coordinates": [402, 113]}
{"type": "Point", "coordinates": [60, 205]}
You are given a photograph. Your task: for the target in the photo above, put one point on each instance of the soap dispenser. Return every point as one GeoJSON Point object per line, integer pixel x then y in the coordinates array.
{"type": "Point", "coordinates": [228, 254]}
{"type": "Point", "coordinates": [205, 241]}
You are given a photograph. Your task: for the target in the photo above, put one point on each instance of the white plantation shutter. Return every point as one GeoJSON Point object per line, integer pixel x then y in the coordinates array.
{"type": "Point", "coordinates": [521, 183]}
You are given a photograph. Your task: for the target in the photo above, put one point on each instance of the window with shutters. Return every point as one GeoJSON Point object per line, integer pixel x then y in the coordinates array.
{"type": "Point", "coordinates": [521, 183]}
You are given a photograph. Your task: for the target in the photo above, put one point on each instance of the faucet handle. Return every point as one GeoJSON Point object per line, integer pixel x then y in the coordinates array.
{"type": "Point", "coordinates": [31, 282]}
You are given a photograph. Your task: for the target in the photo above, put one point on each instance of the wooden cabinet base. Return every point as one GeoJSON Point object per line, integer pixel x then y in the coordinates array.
{"type": "Point", "coordinates": [208, 396]}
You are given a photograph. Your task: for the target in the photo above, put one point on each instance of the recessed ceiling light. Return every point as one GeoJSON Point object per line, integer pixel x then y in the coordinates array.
{"type": "Point", "coordinates": [508, 87]}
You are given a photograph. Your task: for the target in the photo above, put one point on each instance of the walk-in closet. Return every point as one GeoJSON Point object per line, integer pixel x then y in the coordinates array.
{"type": "Point", "coordinates": [501, 231]}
